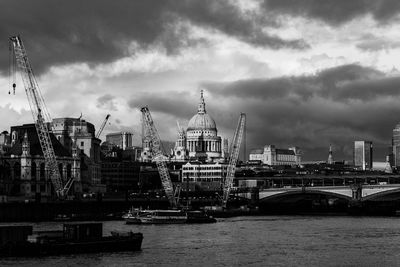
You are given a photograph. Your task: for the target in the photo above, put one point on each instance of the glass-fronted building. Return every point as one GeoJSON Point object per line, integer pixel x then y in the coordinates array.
{"type": "Point", "coordinates": [363, 154]}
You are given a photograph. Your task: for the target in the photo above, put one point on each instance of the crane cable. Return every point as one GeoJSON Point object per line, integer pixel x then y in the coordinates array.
{"type": "Point", "coordinates": [12, 68]}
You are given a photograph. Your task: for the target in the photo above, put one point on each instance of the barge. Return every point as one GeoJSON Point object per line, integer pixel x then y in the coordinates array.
{"type": "Point", "coordinates": [75, 238]}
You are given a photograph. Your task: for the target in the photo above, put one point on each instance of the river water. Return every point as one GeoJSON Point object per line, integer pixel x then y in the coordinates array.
{"type": "Point", "coordinates": [248, 241]}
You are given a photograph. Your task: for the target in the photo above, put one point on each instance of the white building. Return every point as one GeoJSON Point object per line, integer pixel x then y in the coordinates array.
{"type": "Point", "coordinates": [205, 176]}
{"type": "Point", "coordinates": [275, 156]}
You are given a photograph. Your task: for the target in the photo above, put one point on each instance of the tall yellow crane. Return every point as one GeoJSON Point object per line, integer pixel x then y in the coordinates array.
{"type": "Point", "coordinates": [40, 115]}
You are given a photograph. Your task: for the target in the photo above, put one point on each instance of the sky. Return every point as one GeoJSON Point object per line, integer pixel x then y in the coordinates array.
{"type": "Point", "coordinates": [307, 73]}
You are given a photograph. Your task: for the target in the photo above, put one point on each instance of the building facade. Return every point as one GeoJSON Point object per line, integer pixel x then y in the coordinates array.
{"type": "Point", "coordinates": [204, 176]}
{"type": "Point", "coordinates": [395, 159]}
{"type": "Point", "coordinates": [5, 142]}
{"type": "Point", "coordinates": [363, 155]}
{"type": "Point", "coordinates": [77, 132]}
{"type": "Point", "coordinates": [271, 155]}
{"type": "Point", "coordinates": [23, 170]}
{"type": "Point", "coordinates": [119, 174]}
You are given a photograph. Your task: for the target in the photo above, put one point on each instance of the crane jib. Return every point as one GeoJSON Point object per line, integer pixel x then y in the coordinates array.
{"type": "Point", "coordinates": [39, 113]}
{"type": "Point", "coordinates": [158, 156]}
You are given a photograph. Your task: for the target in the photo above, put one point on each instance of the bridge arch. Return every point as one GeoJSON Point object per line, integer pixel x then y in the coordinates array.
{"type": "Point", "coordinates": [381, 194]}
{"type": "Point", "coordinates": [305, 192]}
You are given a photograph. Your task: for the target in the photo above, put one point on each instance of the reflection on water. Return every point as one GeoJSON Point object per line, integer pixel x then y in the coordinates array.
{"type": "Point", "coordinates": [249, 241]}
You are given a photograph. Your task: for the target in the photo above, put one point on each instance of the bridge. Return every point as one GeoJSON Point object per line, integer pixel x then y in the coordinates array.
{"type": "Point", "coordinates": [351, 192]}
{"type": "Point", "coordinates": [347, 188]}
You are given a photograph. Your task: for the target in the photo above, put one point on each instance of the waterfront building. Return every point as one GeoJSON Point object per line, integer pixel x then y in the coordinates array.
{"type": "Point", "coordinates": [271, 155]}
{"type": "Point", "coordinates": [204, 176]}
{"type": "Point", "coordinates": [23, 170]}
{"type": "Point", "coordinates": [119, 173]}
{"type": "Point", "coordinates": [80, 133]}
{"type": "Point", "coordinates": [363, 155]}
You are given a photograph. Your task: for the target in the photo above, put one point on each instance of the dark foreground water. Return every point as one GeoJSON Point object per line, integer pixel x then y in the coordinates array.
{"type": "Point", "coordinates": [249, 241]}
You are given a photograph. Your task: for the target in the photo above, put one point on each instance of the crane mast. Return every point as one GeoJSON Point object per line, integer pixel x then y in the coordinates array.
{"type": "Point", "coordinates": [233, 158]}
{"type": "Point", "coordinates": [158, 156]}
{"type": "Point", "coordinates": [102, 126]}
{"type": "Point", "coordinates": [39, 113]}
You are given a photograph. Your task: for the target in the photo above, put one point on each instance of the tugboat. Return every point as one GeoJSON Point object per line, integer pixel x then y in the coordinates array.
{"type": "Point", "coordinates": [74, 238]}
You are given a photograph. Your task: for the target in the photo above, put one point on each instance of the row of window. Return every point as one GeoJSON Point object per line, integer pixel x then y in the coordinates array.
{"type": "Point", "coordinates": [202, 179]}
{"type": "Point", "coordinates": [197, 174]}
{"type": "Point", "coordinates": [203, 168]}
{"type": "Point", "coordinates": [281, 157]}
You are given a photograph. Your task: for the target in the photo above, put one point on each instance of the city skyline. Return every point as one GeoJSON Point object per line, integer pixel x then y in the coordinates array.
{"type": "Point", "coordinates": [306, 75]}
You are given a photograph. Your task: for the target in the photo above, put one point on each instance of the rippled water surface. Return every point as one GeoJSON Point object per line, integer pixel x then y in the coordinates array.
{"type": "Point", "coordinates": [249, 241]}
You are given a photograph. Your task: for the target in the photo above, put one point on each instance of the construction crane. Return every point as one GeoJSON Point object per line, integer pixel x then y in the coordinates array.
{"type": "Point", "coordinates": [102, 126]}
{"type": "Point", "coordinates": [158, 156]}
{"type": "Point", "coordinates": [39, 113]}
{"type": "Point", "coordinates": [233, 158]}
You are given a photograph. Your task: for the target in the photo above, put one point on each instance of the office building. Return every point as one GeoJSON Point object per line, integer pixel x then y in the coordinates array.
{"type": "Point", "coordinates": [363, 155]}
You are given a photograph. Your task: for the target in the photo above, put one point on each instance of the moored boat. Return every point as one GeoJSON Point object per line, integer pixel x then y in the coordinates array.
{"type": "Point", "coordinates": [162, 217]}
{"type": "Point", "coordinates": [136, 216]}
{"type": "Point", "coordinates": [133, 216]}
{"type": "Point", "coordinates": [74, 238]}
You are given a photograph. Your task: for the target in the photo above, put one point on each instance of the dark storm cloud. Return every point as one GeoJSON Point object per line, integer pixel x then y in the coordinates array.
{"type": "Point", "coordinates": [336, 12]}
{"type": "Point", "coordinates": [331, 83]}
{"type": "Point", "coordinates": [337, 105]}
{"type": "Point", "coordinates": [57, 32]}
{"type": "Point", "coordinates": [178, 105]}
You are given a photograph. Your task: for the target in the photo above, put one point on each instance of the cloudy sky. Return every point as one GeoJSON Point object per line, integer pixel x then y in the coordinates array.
{"type": "Point", "coordinates": [307, 73]}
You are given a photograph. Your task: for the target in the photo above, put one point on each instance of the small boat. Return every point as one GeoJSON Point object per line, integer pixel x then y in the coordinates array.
{"type": "Point", "coordinates": [73, 239]}
{"type": "Point", "coordinates": [133, 216]}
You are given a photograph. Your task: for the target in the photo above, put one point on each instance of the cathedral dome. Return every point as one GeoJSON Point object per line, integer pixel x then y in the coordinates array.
{"type": "Point", "coordinates": [202, 121]}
